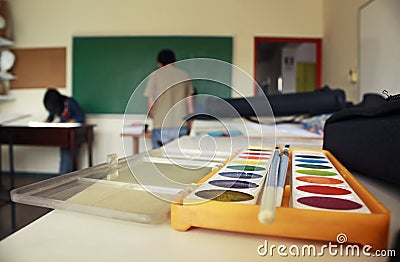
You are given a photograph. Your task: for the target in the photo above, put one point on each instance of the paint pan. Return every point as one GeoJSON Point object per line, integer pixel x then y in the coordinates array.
{"type": "Point", "coordinates": [312, 166]}
{"type": "Point", "coordinates": [312, 161]}
{"type": "Point", "coordinates": [323, 190]}
{"type": "Point", "coordinates": [315, 172]}
{"type": "Point", "coordinates": [254, 157]}
{"type": "Point", "coordinates": [250, 162]}
{"type": "Point", "coordinates": [240, 175]}
{"type": "Point", "coordinates": [320, 180]}
{"type": "Point", "coordinates": [257, 153]}
{"type": "Point", "coordinates": [311, 156]}
{"type": "Point", "coordinates": [224, 195]}
{"type": "Point", "coordinates": [259, 150]}
{"type": "Point", "coordinates": [246, 167]}
{"type": "Point", "coordinates": [331, 203]}
{"type": "Point", "coordinates": [233, 184]}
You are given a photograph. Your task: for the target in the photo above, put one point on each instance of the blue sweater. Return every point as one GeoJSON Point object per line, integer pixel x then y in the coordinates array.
{"type": "Point", "coordinates": [72, 110]}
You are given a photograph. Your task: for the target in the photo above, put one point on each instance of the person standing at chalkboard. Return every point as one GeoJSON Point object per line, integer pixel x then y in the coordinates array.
{"type": "Point", "coordinates": [68, 111]}
{"type": "Point", "coordinates": [169, 92]}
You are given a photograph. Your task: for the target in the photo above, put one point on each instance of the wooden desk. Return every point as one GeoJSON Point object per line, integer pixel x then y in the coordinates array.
{"type": "Point", "coordinates": [67, 137]}
{"type": "Point", "coordinates": [44, 136]}
{"type": "Point", "coordinates": [135, 140]}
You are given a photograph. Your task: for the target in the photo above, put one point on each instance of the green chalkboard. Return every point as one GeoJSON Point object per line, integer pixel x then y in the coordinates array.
{"type": "Point", "coordinates": [107, 70]}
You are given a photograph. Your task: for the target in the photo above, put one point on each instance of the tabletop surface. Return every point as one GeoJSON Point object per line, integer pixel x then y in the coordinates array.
{"type": "Point", "coordinates": [69, 236]}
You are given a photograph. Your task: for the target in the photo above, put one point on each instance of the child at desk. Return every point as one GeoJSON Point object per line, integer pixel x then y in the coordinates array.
{"type": "Point", "coordinates": [68, 110]}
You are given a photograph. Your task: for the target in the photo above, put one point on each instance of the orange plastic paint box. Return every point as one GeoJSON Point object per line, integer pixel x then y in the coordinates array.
{"type": "Point", "coordinates": [364, 229]}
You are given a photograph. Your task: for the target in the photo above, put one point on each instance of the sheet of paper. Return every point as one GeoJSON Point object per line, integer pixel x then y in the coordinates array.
{"type": "Point", "coordinates": [7, 118]}
{"type": "Point", "coordinates": [45, 124]}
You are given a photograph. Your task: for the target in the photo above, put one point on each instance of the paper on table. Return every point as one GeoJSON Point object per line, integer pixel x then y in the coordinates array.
{"type": "Point", "coordinates": [45, 124]}
{"type": "Point", "coordinates": [295, 130]}
{"type": "Point", "coordinates": [134, 129]}
{"type": "Point", "coordinates": [6, 118]}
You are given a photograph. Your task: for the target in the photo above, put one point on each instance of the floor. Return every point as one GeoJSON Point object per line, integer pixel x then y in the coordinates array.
{"type": "Point", "coordinates": [24, 214]}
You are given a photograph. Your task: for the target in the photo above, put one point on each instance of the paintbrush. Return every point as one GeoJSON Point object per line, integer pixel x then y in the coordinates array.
{"type": "Point", "coordinates": [266, 215]}
{"type": "Point", "coordinates": [283, 166]}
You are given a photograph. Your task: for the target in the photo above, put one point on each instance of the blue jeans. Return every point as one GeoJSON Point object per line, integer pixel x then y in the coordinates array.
{"type": "Point", "coordinates": [65, 161]}
{"type": "Point", "coordinates": [166, 135]}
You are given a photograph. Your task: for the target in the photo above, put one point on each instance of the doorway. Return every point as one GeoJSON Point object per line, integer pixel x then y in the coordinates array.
{"type": "Point", "coordinates": [287, 65]}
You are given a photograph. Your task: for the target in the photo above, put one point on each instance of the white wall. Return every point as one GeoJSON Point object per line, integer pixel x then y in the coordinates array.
{"type": "Point", "coordinates": [379, 47]}
{"type": "Point", "coordinates": [52, 23]}
{"type": "Point", "coordinates": [340, 44]}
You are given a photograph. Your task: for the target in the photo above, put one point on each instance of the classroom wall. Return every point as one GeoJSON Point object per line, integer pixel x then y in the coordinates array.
{"type": "Point", "coordinates": [52, 23]}
{"type": "Point", "coordinates": [379, 45]}
{"type": "Point", "coordinates": [340, 44]}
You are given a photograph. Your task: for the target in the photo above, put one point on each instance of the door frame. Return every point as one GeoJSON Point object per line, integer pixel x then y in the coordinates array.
{"type": "Point", "coordinates": [316, 41]}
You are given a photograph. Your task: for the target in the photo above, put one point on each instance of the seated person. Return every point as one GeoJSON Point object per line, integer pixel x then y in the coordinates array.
{"type": "Point", "coordinates": [68, 110]}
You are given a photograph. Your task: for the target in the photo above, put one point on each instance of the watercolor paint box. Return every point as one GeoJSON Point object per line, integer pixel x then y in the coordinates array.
{"type": "Point", "coordinates": [369, 227]}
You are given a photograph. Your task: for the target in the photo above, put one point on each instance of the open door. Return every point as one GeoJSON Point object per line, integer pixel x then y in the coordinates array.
{"type": "Point", "coordinates": [287, 65]}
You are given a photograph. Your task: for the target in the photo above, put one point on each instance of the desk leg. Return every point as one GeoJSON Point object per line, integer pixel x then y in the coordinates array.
{"type": "Point", "coordinates": [11, 153]}
{"type": "Point", "coordinates": [89, 138]}
{"type": "Point", "coordinates": [1, 168]}
{"type": "Point", "coordinates": [12, 182]}
{"type": "Point", "coordinates": [135, 145]}
{"type": "Point", "coordinates": [72, 149]}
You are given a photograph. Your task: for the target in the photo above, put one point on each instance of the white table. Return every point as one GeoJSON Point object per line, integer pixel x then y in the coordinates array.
{"type": "Point", "coordinates": [68, 236]}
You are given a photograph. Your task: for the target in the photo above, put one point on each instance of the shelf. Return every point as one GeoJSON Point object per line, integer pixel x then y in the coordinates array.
{"type": "Point", "coordinates": [6, 76]}
{"type": "Point", "coordinates": [6, 98]}
{"type": "Point", "coordinates": [5, 42]}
